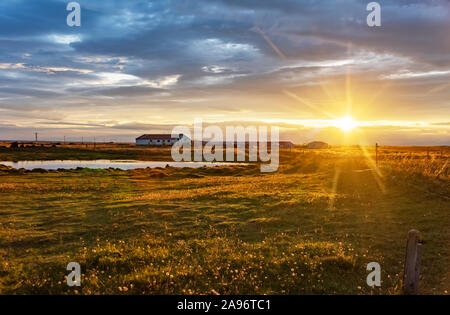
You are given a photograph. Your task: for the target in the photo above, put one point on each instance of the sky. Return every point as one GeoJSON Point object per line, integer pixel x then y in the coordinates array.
{"type": "Point", "coordinates": [136, 67]}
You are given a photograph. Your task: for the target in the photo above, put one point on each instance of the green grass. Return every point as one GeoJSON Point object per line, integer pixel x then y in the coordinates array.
{"type": "Point", "coordinates": [228, 230]}
{"type": "Point", "coordinates": [84, 153]}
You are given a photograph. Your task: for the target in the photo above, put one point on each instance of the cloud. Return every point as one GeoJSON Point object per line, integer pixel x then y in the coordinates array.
{"type": "Point", "coordinates": [408, 75]}
{"type": "Point", "coordinates": [48, 70]}
{"type": "Point", "coordinates": [118, 79]}
{"type": "Point", "coordinates": [5, 66]}
{"type": "Point", "coordinates": [217, 69]}
{"type": "Point", "coordinates": [64, 38]}
{"type": "Point", "coordinates": [441, 124]}
{"type": "Point", "coordinates": [173, 60]}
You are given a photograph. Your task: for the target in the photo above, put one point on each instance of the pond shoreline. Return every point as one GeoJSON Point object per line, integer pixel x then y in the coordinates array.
{"type": "Point", "coordinates": [106, 164]}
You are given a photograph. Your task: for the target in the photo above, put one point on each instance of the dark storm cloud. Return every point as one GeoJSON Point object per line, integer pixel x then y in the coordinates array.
{"type": "Point", "coordinates": [165, 37]}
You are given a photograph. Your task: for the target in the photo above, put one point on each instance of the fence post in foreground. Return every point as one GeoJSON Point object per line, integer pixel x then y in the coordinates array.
{"type": "Point", "coordinates": [412, 263]}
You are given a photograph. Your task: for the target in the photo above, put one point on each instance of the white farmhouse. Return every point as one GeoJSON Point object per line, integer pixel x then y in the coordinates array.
{"type": "Point", "coordinates": [160, 139]}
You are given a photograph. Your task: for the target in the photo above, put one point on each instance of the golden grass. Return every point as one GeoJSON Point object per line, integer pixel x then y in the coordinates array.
{"type": "Point", "coordinates": [228, 230]}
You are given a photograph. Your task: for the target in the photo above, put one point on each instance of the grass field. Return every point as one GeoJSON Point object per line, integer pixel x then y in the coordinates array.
{"type": "Point", "coordinates": [310, 228]}
{"type": "Point", "coordinates": [79, 151]}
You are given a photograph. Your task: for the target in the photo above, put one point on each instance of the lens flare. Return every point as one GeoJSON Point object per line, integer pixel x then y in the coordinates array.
{"type": "Point", "coordinates": [346, 123]}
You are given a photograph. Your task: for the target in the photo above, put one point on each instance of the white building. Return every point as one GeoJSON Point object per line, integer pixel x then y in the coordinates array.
{"type": "Point", "coordinates": [160, 139]}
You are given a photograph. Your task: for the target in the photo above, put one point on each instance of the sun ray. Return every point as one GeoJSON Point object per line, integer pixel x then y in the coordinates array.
{"type": "Point", "coordinates": [439, 88]}
{"type": "Point", "coordinates": [269, 41]}
{"type": "Point", "coordinates": [337, 173]}
{"type": "Point", "coordinates": [308, 103]}
{"type": "Point", "coordinates": [348, 89]}
{"type": "Point", "coordinates": [374, 96]}
{"type": "Point", "coordinates": [374, 168]}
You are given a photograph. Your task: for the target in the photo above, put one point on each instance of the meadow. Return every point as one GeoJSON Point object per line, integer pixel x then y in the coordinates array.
{"type": "Point", "coordinates": [310, 228]}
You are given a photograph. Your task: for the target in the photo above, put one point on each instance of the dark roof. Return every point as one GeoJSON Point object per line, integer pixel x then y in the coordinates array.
{"type": "Point", "coordinates": [285, 142]}
{"type": "Point", "coordinates": [158, 137]}
{"type": "Point", "coordinates": [317, 142]}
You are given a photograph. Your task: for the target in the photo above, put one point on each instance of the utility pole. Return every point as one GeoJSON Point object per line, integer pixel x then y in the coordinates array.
{"type": "Point", "coordinates": [36, 136]}
{"type": "Point", "coordinates": [376, 154]}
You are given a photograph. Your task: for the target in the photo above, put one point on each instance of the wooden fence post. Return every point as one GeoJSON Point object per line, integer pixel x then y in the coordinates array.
{"type": "Point", "coordinates": [411, 273]}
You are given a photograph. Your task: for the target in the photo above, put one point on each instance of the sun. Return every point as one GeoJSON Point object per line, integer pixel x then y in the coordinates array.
{"type": "Point", "coordinates": [346, 123]}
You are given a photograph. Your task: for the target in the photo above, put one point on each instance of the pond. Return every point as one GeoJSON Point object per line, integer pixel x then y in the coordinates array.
{"type": "Point", "coordinates": [104, 164]}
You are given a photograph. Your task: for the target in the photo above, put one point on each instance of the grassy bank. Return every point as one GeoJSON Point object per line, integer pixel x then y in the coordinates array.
{"type": "Point", "coordinates": [83, 152]}
{"type": "Point", "coordinates": [312, 227]}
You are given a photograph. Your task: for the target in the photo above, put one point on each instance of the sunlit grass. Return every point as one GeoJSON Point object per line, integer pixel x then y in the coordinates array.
{"type": "Point", "coordinates": [229, 230]}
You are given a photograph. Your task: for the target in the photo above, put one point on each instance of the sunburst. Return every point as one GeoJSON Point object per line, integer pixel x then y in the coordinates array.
{"type": "Point", "coordinates": [346, 123]}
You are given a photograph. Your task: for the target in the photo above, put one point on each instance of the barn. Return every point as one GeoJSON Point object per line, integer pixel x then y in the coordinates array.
{"type": "Point", "coordinates": [160, 139]}
{"type": "Point", "coordinates": [317, 145]}
{"type": "Point", "coordinates": [286, 145]}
